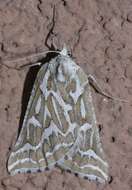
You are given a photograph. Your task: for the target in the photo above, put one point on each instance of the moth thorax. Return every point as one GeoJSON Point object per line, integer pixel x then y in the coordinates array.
{"type": "Point", "coordinates": [66, 69]}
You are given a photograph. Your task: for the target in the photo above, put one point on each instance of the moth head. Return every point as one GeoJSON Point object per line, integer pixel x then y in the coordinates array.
{"type": "Point", "coordinates": [64, 51]}
{"type": "Point", "coordinates": [66, 67]}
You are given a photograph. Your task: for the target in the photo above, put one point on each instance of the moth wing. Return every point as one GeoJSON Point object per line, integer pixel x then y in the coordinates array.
{"type": "Point", "coordinates": [60, 125]}
{"type": "Point", "coordinates": [25, 156]}
{"type": "Point", "coordinates": [86, 157]}
{"type": "Point", "coordinates": [42, 140]}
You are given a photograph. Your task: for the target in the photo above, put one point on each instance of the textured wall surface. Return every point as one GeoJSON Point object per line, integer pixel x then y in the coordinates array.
{"type": "Point", "coordinates": [99, 34]}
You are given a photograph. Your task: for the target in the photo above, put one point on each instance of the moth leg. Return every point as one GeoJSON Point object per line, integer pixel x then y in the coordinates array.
{"type": "Point", "coordinates": [93, 82]}
{"type": "Point", "coordinates": [30, 60]}
{"type": "Point", "coordinates": [30, 65]}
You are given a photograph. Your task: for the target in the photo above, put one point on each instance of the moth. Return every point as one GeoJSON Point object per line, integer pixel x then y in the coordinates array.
{"type": "Point", "coordinates": [59, 126]}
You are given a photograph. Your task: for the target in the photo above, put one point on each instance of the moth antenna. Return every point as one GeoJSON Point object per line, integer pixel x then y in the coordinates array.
{"type": "Point", "coordinates": [50, 33]}
{"type": "Point", "coordinates": [96, 86]}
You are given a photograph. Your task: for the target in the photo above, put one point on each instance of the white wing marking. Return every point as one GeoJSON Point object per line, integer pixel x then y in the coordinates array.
{"type": "Point", "coordinates": [38, 105]}
{"type": "Point", "coordinates": [21, 161]}
{"type": "Point", "coordinates": [91, 154]}
{"type": "Point", "coordinates": [43, 85]}
{"type": "Point", "coordinates": [82, 107]}
{"type": "Point", "coordinates": [29, 147]}
{"type": "Point", "coordinates": [79, 89]}
{"type": "Point", "coordinates": [46, 113]}
{"type": "Point", "coordinates": [57, 148]}
{"type": "Point", "coordinates": [85, 127]}
{"type": "Point", "coordinates": [33, 121]}
{"type": "Point", "coordinates": [94, 168]}
{"type": "Point", "coordinates": [49, 131]}
{"type": "Point", "coordinates": [56, 111]}
{"type": "Point", "coordinates": [60, 76]}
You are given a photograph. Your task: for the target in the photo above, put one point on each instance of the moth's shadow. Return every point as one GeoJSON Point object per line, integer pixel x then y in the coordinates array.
{"type": "Point", "coordinates": [28, 86]}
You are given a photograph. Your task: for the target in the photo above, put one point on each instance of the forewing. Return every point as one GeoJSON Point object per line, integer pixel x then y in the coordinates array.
{"type": "Point", "coordinates": [60, 125]}
{"type": "Point", "coordinates": [86, 158]}
{"type": "Point", "coordinates": [27, 154]}
{"type": "Point", "coordinates": [47, 133]}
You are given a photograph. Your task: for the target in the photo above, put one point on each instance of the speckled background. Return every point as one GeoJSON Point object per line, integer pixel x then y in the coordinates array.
{"type": "Point", "coordinates": [99, 34]}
